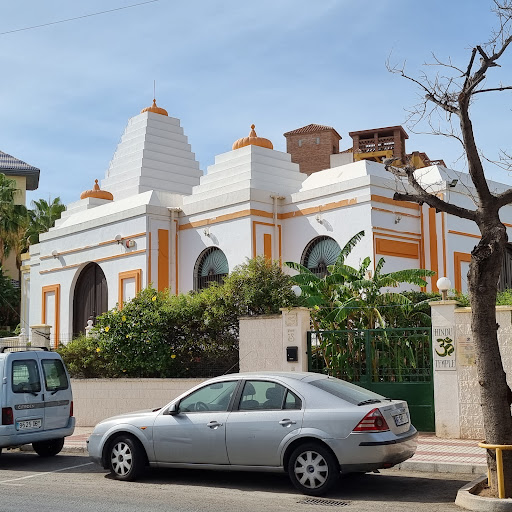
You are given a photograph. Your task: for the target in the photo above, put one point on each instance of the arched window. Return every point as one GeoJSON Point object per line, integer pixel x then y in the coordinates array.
{"type": "Point", "coordinates": [319, 253]}
{"type": "Point", "coordinates": [211, 267]}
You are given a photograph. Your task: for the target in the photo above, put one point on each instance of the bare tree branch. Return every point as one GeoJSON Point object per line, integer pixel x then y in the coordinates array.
{"type": "Point", "coordinates": [507, 88]}
{"type": "Point", "coordinates": [422, 196]}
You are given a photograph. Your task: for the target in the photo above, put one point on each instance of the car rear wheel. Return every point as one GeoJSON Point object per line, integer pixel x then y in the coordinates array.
{"type": "Point", "coordinates": [313, 469]}
{"type": "Point", "coordinates": [125, 458]}
{"type": "Point", "coordinates": [48, 448]}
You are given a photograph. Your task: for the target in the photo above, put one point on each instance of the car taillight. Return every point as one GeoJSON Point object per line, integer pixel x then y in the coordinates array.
{"type": "Point", "coordinates": [71, 409]}
{"type": "Point", "coordinates": [7, 416]}
{"type": "Point", "coordinates": [372, 422]}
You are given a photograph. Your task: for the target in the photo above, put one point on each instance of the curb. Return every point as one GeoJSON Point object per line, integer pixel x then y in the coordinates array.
{"type": "Point", "coordinates": [65, 449]}
{"type": "Point", "coordinates": [443, 467]}
{"type": "Point", "coordinates": [467, 500]}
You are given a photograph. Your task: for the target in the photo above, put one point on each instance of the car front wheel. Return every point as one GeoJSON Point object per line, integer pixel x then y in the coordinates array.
{"type": "Point", "coordinates": [125, 458]}
{"type": "Point", "coordinates": [313, 469]}
{"type": "Point", "coordinates": [48, 448]}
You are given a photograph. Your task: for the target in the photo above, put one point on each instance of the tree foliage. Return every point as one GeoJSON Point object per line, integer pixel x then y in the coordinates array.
{"type": "Point", "coordinates": [13, 219]}
{"type": "Point", "coordinates": [42, 217]}
{"type": "Point", "coordinates": [357, 298]}
{"type": "Point", "coordinates": [9, 301]}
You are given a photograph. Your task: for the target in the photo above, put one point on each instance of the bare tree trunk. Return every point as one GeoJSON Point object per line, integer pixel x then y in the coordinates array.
{"type": "Point", "coordinates": [495, 397]}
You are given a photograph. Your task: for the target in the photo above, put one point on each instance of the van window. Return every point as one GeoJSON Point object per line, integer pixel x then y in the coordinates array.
{"type": "Point", "coordinates": [25, 376]}
{"type": "Point", "coordinates": [55, 377]}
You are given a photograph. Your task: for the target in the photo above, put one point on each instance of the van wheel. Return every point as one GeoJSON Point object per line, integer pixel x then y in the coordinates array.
{"type": "Point", "coordinates": [125, 458]}
{"type": "Point", "coordinates": [48, 448]}
{"type": "Point", "coordinates": [313, 469]}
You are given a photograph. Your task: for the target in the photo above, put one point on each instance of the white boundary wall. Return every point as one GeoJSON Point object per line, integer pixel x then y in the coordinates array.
{"type": "Point", "coordinates": [97, 399]}
{"type": "Point", "coordinates": [456, 390]}
{"type": "Point", "coordinates": [263, 344]}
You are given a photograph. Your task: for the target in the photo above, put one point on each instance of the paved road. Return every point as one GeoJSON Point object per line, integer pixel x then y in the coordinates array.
{"type": "Point", "coordinates": [66, 483]}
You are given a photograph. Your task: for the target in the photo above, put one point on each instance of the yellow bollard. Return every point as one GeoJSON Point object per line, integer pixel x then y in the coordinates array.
{"type": "Point", "coordinates": [499, 465]}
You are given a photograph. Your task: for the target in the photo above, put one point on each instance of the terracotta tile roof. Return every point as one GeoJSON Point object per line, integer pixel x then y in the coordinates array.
{"type": "Point", "coordinates": [311, 128]}
{"type": "Point", "coordinates": [12, 166]}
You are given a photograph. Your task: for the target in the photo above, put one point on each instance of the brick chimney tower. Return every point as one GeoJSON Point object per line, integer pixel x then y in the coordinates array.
{"type": "Point", "coordinates": [312, 146]}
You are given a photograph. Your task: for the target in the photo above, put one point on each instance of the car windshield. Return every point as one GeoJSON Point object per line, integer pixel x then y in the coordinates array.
{"type": "Point", "coordinates": [347, 391]}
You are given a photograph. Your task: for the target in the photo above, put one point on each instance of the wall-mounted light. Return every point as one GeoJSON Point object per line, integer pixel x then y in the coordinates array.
{"type": "Point", "coordinates": [398, 218]}
{"type": "Point", "coordinates": [130, 243]}
{"type": "Point", "coordinates": [118, 239]}
{"type": "Point", "coordinates": [318, 218]}
{"type": "Point", "coordinates": [206, 231]}
{"type": "Point", "coordinates": [55, 254]}
{"type": "Point", "coordinates": [453, 183]}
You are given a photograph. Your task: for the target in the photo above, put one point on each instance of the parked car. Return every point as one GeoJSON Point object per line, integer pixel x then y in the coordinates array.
{"type": "Point", "coordinates": [310, 425]}
{"type": "Point", "coordinates": [36, 401]}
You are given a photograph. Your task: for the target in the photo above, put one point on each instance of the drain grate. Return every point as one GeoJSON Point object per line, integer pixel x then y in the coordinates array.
{"type": "Point", "coordinates": [323, 501]}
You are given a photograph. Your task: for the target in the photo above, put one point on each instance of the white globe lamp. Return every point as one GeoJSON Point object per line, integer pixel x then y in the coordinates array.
{"type": "Point", "coordinates": [444, 284]}
{"type": "Point", "coordinates": [296, 290]}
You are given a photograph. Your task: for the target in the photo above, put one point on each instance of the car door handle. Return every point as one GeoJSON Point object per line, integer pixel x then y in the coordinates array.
{"type": "Point", "coordinates": [214, 424]}
{"type": "Point", "coordinates": [287, 422]}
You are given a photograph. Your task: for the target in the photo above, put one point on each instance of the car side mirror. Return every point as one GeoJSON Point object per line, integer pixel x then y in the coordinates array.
{"type": "Point", "coordinates": [174, 409]}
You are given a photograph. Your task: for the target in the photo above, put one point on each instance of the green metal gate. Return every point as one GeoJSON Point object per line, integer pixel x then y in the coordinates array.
{"type": "Point", "coordinates": [396, 363]}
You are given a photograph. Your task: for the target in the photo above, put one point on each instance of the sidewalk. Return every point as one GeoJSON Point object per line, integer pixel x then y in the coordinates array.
{"type": "Point", "coordinates": [433, 455]}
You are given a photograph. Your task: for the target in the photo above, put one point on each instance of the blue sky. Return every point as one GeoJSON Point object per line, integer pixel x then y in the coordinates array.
{"type": "Point", "coordinates": [68, 90]}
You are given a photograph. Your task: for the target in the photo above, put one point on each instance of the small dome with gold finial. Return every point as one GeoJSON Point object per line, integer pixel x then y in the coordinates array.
{"type": "Point", "coordinates": [97, 193]}
{"type": "Point", "coordinates": [253, 140]}
{"type": "Point", "coordinates": [155, 109]}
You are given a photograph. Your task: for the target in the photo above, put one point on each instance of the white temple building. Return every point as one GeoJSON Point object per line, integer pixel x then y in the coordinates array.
{"type": "Point", "coordinates": [157, 219]}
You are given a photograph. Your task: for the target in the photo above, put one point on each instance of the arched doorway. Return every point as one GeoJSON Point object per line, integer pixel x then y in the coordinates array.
{"type": "Point", "coordinates": [90, 298]}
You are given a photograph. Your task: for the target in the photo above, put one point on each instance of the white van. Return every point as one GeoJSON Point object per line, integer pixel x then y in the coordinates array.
{"type": "Point", "coordinates": [36, 401]}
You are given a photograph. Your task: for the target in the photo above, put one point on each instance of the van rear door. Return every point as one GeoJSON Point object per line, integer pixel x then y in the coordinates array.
{"type": "Point", "coordinates": [57, 391]}
{"type": "Point", "coordinates": [25, 391]}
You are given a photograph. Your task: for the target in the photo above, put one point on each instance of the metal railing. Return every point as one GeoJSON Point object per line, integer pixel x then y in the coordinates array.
{"type": "Point", "coordinates": [373, 355]}
{"type": "Point", "coordinates": [499, 465]}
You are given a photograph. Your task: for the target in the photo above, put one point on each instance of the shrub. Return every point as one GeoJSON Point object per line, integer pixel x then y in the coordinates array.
{"type": "Point", "coordinates": [193, 334]}
{"type": "Point", "coordinates": [84, 360]}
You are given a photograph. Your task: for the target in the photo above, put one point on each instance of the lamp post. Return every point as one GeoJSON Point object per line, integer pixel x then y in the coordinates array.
{"type": "Point", "coordinates": [444, 284]}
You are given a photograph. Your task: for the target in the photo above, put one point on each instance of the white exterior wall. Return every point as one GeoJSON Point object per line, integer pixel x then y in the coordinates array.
{"type": "Point", "coordinates": [154, 171]}
{"type": "Point", "coordinates": [76, 250]}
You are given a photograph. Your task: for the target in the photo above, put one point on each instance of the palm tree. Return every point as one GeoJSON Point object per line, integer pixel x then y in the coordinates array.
{"type": "Point", "coordinates": [327, 294]}
{"type": "Point", "coordinates": [349, 298]}
{"type": "Point", "coordinates": [42, 217]}
{"type": "Point", "coordinates": [374, 291]}
{"type": "Point", "coordinates": [13, 218]}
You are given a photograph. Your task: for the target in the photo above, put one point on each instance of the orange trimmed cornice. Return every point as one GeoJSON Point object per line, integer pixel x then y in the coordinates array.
{"type": "Point", "coordinates": [117, 256]}
{"type": "Point", "coordinates": [388, 200]}
{"type": "Point", "coordinates": [463, 234]}
{"type": "Point", "coordinates": [262, 213]}
{"type": "Point", "coordinates": [402, 214]}
{"type": "Point", "coordinates": [100, 244]}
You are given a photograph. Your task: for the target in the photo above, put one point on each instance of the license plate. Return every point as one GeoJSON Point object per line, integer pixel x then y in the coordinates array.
{"type": "Point", "coordinates": [401, 419]}
{"type": "Point", "coordinates": [28, 424]}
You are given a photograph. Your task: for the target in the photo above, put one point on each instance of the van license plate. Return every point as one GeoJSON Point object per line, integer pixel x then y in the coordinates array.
{"type": "Point", "coordinates": [401, 419]}
{"type": "Point", "coordinates": [28, 424]}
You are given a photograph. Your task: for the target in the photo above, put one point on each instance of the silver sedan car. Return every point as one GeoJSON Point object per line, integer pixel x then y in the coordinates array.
{"type": "Point", "coordinates": [310, 425]}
